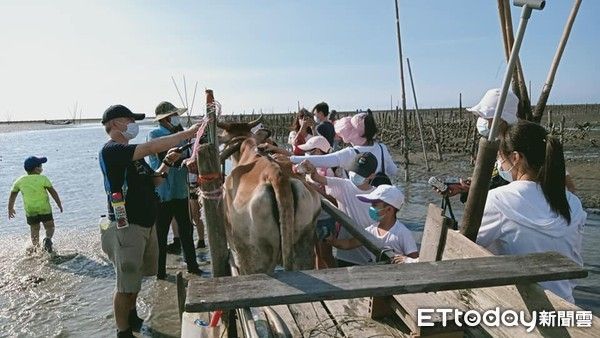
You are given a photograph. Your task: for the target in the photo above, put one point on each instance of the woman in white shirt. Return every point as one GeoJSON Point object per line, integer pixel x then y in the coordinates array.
{"type": "Point", "coordinates": [358, 130]}
{"type": "Point", "coordinates": [534, 212]}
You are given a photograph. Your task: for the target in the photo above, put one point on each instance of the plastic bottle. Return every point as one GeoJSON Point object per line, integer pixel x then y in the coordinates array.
{"type": "Point", "coordinates": [118, 204]}
{"type": "Point", "coordinates": [104, 222]}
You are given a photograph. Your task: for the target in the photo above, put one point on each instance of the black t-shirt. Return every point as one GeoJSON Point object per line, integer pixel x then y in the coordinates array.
{"type": "Point", "coordinates": [141, 199]}
{"type": "Point", "coordinates": [326, 130]}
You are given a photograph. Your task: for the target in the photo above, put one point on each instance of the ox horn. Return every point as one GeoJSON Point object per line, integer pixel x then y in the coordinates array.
{"type": "Point", "coordinates": [255, 123]}
{"type": "Point", "coordinates": [230, 150]}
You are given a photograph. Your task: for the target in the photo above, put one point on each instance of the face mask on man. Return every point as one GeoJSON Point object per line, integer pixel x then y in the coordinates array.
{"type": "Point", "coordinates": [132, 131]}
{"type": "Point", "coordinates": [482, 127]}
{"type": "Point", "coordinates": [505, 174]}
{"type": "Point", "coordinates": [175, 120]}
{"type": "Point", "coordinates": [356, 179]}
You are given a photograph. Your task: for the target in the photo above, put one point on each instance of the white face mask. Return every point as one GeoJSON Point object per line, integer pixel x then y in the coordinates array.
{"type": "Point", "coordinates": [175, 120]}
{"type": "Point", "coordinates": [356, 179]}
{"type": "Point", "coordinates": [482, 127]}
{"type": "Point", "coordinates": [316, 119]}
{"type": "Point", "coordinates": [132, 131]}
{"type": "Point", "coordinates": [505, 174]}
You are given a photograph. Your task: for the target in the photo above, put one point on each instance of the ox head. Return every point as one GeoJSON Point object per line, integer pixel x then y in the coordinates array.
{"type": "Point", "coordinates": [233, 130]}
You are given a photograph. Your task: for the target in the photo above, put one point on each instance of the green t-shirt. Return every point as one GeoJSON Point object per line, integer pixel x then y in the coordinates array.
{"type": "Point", "coordinates": [35, 197]}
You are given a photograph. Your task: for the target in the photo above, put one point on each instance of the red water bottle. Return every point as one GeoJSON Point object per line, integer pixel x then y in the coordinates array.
{"type": "Point", "coordinates": [118, 205]}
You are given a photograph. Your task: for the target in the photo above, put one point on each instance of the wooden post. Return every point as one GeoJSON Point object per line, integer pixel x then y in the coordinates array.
{"type": "Point", "coordinates": [543, 99]}
{"type": "Point", "coordinates": [209, 167]}
{"type": "Point", "coordinates": [418, 116]}
{"type": "Point", "coordinates": [562, 130]}
{"type": "Point", "coordinates": [480, 184]}
{"type": "Point", "coordinates": [404, 121]}
{"type": "Point", "coordinates": [550, 118]}
{"type": "Point", "coordinates": [437, 143]}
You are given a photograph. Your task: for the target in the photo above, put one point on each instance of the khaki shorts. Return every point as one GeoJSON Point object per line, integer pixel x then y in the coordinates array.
{"type": "Point", "coordinates": [134, 253]}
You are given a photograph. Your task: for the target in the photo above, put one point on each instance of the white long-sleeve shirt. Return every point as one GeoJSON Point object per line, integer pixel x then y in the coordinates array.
{"type": "Point", "coordinates": [343, 158]}
{"type": "Point", "coordinates": [517, 219]}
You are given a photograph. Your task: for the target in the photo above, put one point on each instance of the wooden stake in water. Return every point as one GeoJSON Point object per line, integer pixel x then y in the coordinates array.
{"type": "Point", "coordinates": [418, 115]}
{"type": "Point", "coordinates": [404, 120]}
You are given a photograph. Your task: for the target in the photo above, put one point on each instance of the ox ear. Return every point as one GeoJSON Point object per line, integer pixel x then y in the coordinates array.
{"type": "Point", "coordinates": [255, 123]}
{"type": "Point", "coordinates": [223, 125]}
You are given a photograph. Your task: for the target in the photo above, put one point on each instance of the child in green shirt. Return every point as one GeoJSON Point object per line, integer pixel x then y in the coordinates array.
{"type": "Point", "coordinates": [35, 188]}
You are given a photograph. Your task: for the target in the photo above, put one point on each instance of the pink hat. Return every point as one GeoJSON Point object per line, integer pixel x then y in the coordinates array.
{"type": "Point", "coordinates": [316, 142]}
{"type": "Point", "coordinates": [352, 129]}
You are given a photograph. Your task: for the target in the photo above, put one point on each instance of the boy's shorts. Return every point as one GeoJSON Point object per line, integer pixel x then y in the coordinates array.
{"type": "Point", "coordinates": [134, 254]}
{"type": "Point", "coordinates": [36, 219]}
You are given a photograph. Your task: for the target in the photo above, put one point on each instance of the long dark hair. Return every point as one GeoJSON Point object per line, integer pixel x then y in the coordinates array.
{"type": "Point", "coordinates": [370, 127]}
{"type": "Point", "coordinates": [299, 116]}
{"type": "Point", "coordinates": [545, 156]}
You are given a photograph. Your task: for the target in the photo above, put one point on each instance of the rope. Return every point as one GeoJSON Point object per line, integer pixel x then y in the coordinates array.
{"type": "Point", "coordinates": [214, 195]}
{"type": "Point", "coordinates": [207, 178]}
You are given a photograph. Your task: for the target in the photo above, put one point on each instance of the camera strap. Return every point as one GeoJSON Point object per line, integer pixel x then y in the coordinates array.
{"type": "Point", "coordinates": [447, 206]}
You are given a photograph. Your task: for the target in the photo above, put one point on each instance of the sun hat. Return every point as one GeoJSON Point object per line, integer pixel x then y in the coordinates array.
{"type": "Point", "coordinates": [386, 193]}
{"type": "Point", "coordinates": [316, 142]}
{"type": "Point", "coordinates": [33, 162]}
{"type": "Point", "coordinates": [166, 109]}
{"type": "Point", "coordinates": [487, 106]}
{"type": "Point", "coordinates": [351, 129]}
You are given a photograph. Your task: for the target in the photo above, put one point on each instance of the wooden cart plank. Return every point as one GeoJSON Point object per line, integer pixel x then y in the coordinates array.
{"type": "Point", "coordinates": [223, 293]}
{"type": "Point", "coordinates": [313, 320]}
{"type": "Point", "coordinates": [352, 317]}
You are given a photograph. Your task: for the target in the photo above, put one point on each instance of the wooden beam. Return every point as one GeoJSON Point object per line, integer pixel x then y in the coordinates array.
{"type": "Point", "coordinates": [290, 287]}
{"type": "Point", "coordinates": [526, 297]}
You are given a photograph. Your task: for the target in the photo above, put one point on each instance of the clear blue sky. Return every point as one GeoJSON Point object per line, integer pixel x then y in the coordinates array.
{"type": "Point", "coordinates": [270, 54]}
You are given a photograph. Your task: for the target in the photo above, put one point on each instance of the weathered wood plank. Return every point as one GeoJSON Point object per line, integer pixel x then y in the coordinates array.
{"type": "Point", "coordinates": [526, 297]}
{"type": "Point", "coordinates": [313, 320]}
{"type": "Point", "coordinates": [379, 280]}
{"type": "Point", "coordinates": [352, 317]}
{"type": "Point", "coordinates": [432, 248]}
{"type": "Point", "coordinates": [288, 319]}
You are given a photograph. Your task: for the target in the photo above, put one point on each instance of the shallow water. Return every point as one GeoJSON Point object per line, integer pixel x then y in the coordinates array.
{"type": "Point", "coordinates": [70, 294]}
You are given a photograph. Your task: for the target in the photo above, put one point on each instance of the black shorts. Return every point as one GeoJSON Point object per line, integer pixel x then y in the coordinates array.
{"type": "Point", "coordinates": [35, 220]}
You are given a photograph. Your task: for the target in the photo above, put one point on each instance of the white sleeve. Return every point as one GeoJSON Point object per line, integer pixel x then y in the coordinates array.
{"type": "Point", "coordinates": [390, 167]}
{"type": "Point", "coordinates": [319, 161]}
{"type": "Point", "coordinates": [408, 243]}
{"type": "Point", "coordinates": [491, 222]}
{"type": "Point", "coordinates": [334, 186]}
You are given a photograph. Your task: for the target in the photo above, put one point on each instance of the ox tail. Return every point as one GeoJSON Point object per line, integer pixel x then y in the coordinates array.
{"type": "Point", "coordinates": [285, 203]}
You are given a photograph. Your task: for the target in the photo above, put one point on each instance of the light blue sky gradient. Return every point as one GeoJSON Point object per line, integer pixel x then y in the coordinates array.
{"type": "Point", "coordinates": [270, 54]}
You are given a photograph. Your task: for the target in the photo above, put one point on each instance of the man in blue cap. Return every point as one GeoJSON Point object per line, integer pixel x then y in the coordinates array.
{"type": "Point", "coordinates": [34, 188]}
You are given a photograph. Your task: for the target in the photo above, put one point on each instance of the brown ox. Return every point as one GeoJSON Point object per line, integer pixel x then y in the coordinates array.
{"type": "Point", "coordinates": [271, 215]}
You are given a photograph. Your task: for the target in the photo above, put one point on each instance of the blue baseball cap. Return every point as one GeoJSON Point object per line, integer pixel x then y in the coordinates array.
{"type": "Point", "coordinates": [32, 162]}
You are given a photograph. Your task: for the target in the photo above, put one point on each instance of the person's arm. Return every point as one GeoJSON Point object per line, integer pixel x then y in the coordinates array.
{"type": "Point", "coordinates": [491, 222]}
{"type": "Point", "coordinates": [344, 244]}
{"type": "Point", "coordinates": [11, 204]}
{"type": "Point", "coordinates": [391, 169]}
{"type": "Point", "coordinates": [310, 168]}
{"type": "Point", "coordinates": [55, 197]}
{"type": "Point", "coordinates": [172, 156]}
{"type": "Point", "coordinates": [161, 144]}
{"type": "Point", "coordinates": [322, 161]}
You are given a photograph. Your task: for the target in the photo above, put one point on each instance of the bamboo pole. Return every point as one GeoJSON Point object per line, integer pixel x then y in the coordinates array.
{"type": "Point", "coordinates": [403, 92]}
{"type": "Point", "coordinates": [543, 99]}
{"type": "Point", "coordinates": [418, 115]}
{"type": "Point", "coordinates": [518, 85]}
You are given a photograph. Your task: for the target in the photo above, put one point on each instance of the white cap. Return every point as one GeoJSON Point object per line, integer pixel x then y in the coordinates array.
{"type": "Point", "coordinates": [257, 128]}
{"type": "Point", "coordinates": [385, 193]}
{"type": "Point", "coordinates": [318, 142]}
{"type": "Point", "coordinates": [487, 106]}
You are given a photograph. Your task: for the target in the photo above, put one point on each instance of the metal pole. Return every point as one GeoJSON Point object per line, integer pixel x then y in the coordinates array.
{"type": "Point", "coordinates": [543, 99]}
{"type": "Point", "coordinates": [404, 121]}
{"type": "Point", "coordinates": [488, 148]}
{"type": "Point", "coordinates": [412, 85]}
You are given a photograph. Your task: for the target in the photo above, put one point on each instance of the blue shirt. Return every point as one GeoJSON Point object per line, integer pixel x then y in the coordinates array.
{"type": "Point", "coordinates": [175, 186]}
